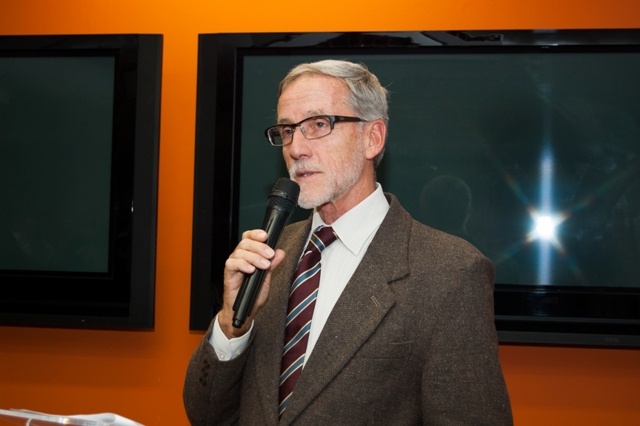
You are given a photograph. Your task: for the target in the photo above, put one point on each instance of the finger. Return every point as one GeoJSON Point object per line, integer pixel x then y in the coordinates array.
{"type": "Point", "coordinates": [246, 264]}
{"type": "Point", "coordinates": [255, 234]}
{"type": "Point", "coordinates": [248, 245]}
{"type": "Point", "coordinates": [277, 258]}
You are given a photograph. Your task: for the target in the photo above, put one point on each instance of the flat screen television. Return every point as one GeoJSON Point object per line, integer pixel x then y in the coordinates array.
{"type": "Point", "coordinates": [525, 143]}
{"type": "Point", "coordinates": [79, 134]}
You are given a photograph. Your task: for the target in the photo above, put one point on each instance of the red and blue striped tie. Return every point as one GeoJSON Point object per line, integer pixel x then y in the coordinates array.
{"type": "Point", "coordinates": [302, 301]}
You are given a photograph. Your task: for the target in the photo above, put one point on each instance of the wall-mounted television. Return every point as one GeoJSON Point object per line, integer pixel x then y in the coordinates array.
{"type": "Point", "coordinates": [525, 143]}
{"type": "Point", "coordinates": [79, 140]}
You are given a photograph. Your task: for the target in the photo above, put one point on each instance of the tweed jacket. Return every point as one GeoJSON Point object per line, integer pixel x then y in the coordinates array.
{"type": "Point", "coordinates": [410, 341]}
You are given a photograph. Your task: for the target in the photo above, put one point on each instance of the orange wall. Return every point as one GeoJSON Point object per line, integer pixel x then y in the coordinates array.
{"type": "Point", "coordinates": [139, 374]}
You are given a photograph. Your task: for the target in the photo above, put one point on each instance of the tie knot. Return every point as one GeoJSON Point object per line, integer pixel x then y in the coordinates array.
{"type": "Point", "coordinates": [321, 238]}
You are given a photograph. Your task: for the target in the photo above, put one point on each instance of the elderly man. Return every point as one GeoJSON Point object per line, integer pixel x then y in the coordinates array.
{"type": "Point", "coordinates": [391, 323]}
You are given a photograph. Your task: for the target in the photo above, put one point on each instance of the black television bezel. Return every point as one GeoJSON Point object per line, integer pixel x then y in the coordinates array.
{"type": "Point", "coordinates": [524, 314]}
{"type": "Point", "coordinates": [123, 297]}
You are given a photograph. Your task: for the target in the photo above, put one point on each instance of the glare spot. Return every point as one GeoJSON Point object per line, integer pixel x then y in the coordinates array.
{"type": "Point", "coordinates": [545, 228]}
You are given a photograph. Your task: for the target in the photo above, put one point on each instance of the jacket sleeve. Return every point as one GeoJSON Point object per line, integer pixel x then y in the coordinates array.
{"type": "Point", "coordinates": [212, 387]}
{"type": "Point", "coordinates": [462, 379]}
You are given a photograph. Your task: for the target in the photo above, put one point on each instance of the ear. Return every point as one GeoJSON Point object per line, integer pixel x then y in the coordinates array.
{"type": "Point", "coordinates": [376, 137]}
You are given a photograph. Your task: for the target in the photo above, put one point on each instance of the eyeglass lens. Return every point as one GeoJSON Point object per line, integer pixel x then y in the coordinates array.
{"type": "Point", "coordinates": [311, 128]}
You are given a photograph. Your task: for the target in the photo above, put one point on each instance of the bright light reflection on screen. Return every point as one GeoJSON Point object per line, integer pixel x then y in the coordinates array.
{"type": "Point", "coordinates": [544, 224]}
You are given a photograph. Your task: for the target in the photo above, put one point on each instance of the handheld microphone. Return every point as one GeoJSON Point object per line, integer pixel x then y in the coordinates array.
{"type": "Point", "coordinates": [282, 202]}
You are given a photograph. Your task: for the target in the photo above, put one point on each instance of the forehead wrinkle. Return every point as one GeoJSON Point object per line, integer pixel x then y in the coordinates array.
{"type": "Point", "coordinates": [311, 95]}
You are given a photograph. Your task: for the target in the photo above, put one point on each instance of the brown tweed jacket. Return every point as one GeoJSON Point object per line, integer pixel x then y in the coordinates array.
{"type": "Point", "coordinates": [410, 341]}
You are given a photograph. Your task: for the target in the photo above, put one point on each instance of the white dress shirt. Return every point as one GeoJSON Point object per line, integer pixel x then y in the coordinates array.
{"type": "Point", "coordinates": [355, 230]}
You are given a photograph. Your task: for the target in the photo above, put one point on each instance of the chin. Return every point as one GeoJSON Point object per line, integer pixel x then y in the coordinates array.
{"type": "Point", "coordinates": [312, 201]}
{"type": "Point", "coordinates": [306, 206]}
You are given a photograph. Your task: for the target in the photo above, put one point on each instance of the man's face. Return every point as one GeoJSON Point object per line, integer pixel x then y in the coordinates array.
{"type": "Point", "coordinates": [333, 170]}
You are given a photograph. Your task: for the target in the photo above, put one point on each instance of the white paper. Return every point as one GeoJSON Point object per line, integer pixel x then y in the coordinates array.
{"type": "Point", "coordinates": [98, 419]}
{"type": "Point", "coordinates": [107, 418]}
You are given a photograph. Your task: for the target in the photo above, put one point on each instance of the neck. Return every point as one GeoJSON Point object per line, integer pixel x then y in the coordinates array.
{"type": "Point", "coordinates": [333, 210]}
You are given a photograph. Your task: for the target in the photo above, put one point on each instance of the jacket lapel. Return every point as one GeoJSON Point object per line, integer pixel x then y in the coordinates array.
{"type": "Point", "coordinates": [364, 303]}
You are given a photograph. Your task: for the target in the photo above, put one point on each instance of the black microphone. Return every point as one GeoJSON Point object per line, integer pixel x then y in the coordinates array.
{"type": "Point", "coordinates": [282, 202]}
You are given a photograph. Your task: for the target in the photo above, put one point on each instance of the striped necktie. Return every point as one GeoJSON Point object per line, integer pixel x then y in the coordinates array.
{"type": "Point", "coordinates": [302, 300]}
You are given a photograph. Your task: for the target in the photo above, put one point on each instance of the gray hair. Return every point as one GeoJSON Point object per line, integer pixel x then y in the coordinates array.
{"type": "Point", "coordinates": [368, 99]}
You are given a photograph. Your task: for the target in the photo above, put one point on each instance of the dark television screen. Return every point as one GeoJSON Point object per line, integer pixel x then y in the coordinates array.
{"type": "Point", "coordinates": [79, 119]}
{"type": "Point", "coordinates": [525, 143]}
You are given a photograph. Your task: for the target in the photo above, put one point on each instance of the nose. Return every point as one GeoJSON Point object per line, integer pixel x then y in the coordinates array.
{"type": "Point", "coordinates": [299, 146]}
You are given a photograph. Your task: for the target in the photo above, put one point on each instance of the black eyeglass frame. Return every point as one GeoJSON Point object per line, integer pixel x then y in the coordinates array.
{"type": "Point", "coordinates": [333, 119]}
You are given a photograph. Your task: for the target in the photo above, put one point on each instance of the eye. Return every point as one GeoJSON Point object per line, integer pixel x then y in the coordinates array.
{"type": "Point", "coordinates": [287, 131]}
{"type": "Point", "coordinates": [319, 123]}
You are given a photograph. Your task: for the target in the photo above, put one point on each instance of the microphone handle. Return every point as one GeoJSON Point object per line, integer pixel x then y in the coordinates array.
{"type": "Point", "coordinates": [274, 221]}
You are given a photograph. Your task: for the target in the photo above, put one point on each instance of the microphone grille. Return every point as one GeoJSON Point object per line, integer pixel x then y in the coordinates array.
{"type": "Point", "coordinates": [285, 194]}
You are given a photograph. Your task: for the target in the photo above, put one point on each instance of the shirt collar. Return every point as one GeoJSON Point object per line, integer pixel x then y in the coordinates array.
{"type": "Point", "coordinates": [356, 226]}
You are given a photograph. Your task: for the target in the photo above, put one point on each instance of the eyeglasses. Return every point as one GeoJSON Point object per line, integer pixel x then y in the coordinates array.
{"type": "Point", "coordinates": [315, 127]}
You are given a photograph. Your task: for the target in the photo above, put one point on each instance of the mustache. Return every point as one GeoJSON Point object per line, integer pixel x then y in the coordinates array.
{"type": "Point", "coordinates": [299, 165]}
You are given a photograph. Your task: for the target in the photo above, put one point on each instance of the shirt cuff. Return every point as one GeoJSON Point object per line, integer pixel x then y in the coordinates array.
{"type": "Point", "coordinates": [228, 349]}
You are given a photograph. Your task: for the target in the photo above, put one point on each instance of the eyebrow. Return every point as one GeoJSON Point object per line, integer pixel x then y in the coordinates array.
{"type": "Point", "coordinates": [309, 115]}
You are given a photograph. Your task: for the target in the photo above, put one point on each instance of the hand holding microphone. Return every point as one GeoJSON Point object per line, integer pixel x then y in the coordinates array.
{"type": "Point", "coordinates": [281, 204]}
